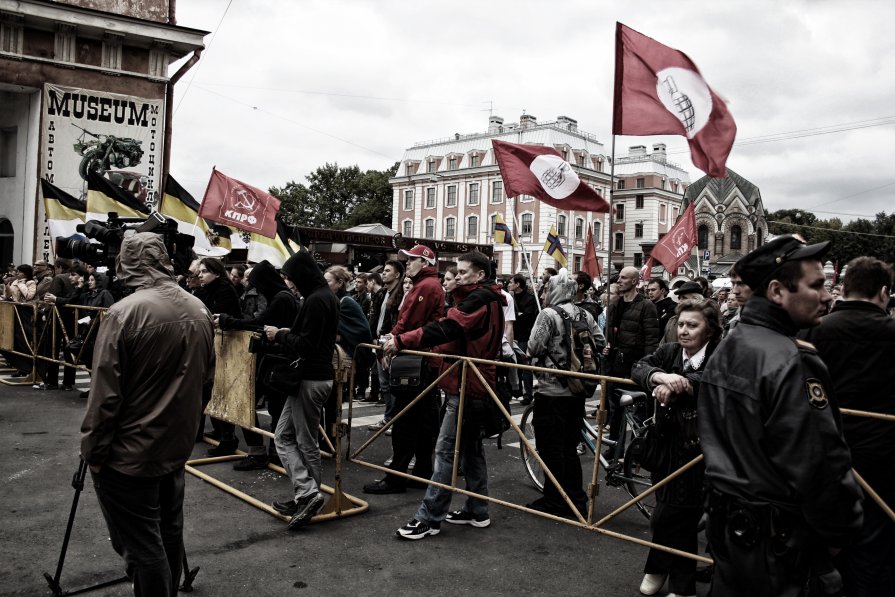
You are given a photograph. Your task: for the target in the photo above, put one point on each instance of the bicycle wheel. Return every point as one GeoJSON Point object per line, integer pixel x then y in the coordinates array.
{"type": "Point", "coordinates": [531, 464]}
{"type": "Point", "coordinates": [637, 481]}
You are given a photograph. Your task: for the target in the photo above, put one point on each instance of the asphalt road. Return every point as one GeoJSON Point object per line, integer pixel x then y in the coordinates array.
{"type": "Point", "coordinates": [243, 551]}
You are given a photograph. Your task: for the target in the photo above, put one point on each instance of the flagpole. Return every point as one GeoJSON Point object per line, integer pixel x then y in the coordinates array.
{"type": "Point", "coordinates": [526, 259]}
{"type": "Point", "coordinates": [611, 212]}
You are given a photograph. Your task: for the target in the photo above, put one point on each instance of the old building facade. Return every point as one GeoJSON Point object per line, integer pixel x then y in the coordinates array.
{"type": "Point", "coordinates": [730, 220]}
{"type": "Point", "coordinates": [84, 84]}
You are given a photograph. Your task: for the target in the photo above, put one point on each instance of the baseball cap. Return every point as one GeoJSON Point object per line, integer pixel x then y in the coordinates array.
{"type": "Point", "coordinates": [689, 288]}
{"type": "Point", "coordinates": [757, 267]}
{"type": "Point", "coordinates": [421, 251]}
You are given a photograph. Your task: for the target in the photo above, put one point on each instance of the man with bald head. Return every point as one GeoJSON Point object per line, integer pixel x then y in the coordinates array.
{"type": "Point", "coordinates": [632, 332]}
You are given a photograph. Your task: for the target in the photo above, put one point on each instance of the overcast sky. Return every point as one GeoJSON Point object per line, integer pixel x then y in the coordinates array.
{"type": "Point", "coordinates": [286, 86]}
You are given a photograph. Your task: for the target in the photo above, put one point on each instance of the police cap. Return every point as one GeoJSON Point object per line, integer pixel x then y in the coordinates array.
{"type": "Point", "coordinates": [757, 267]}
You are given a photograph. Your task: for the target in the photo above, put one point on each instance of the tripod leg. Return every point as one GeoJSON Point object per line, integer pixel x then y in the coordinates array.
{"type": "Point", "coordinates": [78, 484]}
{"type": "Point", "coordinates": [188, 575]}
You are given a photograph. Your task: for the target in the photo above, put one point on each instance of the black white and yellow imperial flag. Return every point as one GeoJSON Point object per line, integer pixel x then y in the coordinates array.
{"type": "Point", "coordinates": [103, 196]}
{"type": "Point", "coordinates": [64, 212]}
{"type": "Point", "coordinates": [275, 250]}
{"type": "Point", "coordinates": [212, 240]}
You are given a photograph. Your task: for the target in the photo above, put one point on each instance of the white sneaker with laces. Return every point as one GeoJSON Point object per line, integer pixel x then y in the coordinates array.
{"type": "Point", "coordinates": [415, 529]}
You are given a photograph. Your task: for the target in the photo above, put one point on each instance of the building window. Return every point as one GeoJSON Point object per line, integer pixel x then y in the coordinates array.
{"type": "Point", "coordinates": [561, 225]}
{"type": "Point", "coordinates": [579, 159]}
{"type": "Point", "coordinates": [409, 168]}
{"type": "Point", "coordinates": [674, 212]}
{"type": "Point", "coordinates": [736, 237]}
{"type": "Point", "coordinates": [430, 166]}
{"type": "Point", "coordinates": [408, 199]}
{"type": "Point", "coordinates": [598, 165]}
{"type": "Point", "coordinates": [565, 154]}
{"type": "Point", "coordinates": [619, 212]}
{"type": "Point", "coordinates": [702, 237]}
{"type": "Point", "coordinates": [662, 212]}
{"type": "Point", "coordinates": [673, 186]}
{"type": "Point", "coordinates": [450, 228]}
{"type": "Point", "coordinates": [758, 237]}
{"type": "Point", "coordinates": [497, 191]}
{"type": "Point", "coordinates": [641, 183]}
{"type": "Point", "coordinates": [492, 225]}
{"type": "Point", "coordinates": [638, 202]}
{"type": "Point", "coordinates": [474, 160]}
{"type": "Point", "coordinates": [598, 234]}
{"type": "Point", "coordinates": [527, 223]}
{"type": "Point", "coordinates": [473, 194]}
{"type": "Point", "coordinates": [452, 163]}
{"type": "Point", "coordinates": [429, 229]}
{"type": "Point", "coordinates": [408, 228]}
{"type": "Point", "coordinates": [430, 197]}
{"type": "Point", "coordinates": [638, 261]}
{"type": "Point", "coordinates": [619, 242]}
{"type": "Point", "coordinates": [451, 200]}
{"type": "Point", "coordinates": [579, 228]}
{"type": "Point", "coordinates": [525, 198]}
{"type": "Point", "coordinates": [472, 227]}
{"type": "Point", "coordinates": [8, 142]}
{"type": "Point", "coordinates": [576, 263]}
{"type": "Point", "coordinates": [638, 230]}
{"type": "Point", "coordinates": [620, 185]}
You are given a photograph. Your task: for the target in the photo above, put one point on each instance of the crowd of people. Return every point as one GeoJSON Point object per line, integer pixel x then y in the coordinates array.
{"type": "Point", "coordinates": [751, 375]}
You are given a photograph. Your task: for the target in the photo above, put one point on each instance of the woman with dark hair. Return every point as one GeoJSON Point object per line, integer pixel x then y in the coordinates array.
{"type": "Point", "coordinates": [353, 329]}
{"type": "Point", "coordinates": [672, 375]}
{"type": "Point", "coordinates": [22, 288]}
{"type": "Point", "coordinates": [281, 309]}
{"type": "Point", "coordinates": [449, 283]}
{"type": "Point", "coordinates": [219, 296]}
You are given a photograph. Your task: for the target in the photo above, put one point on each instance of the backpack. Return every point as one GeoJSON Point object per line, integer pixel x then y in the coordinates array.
{"type": "Point", "coordinates": [579, 343]}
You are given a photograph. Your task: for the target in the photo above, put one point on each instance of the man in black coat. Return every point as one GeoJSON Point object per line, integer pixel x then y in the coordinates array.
{"type": "Point", "coordinates": [657, 292]}
{"type": "Point", "coordinates": [857, 341]}
{"type": "Point", "coordinates": [781, 495]}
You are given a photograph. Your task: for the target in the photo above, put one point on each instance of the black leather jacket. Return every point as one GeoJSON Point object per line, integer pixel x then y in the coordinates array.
{"type": "Point", "coordinates": [770, 430]}
{"type": "Point", "coordinates": [632, 335]}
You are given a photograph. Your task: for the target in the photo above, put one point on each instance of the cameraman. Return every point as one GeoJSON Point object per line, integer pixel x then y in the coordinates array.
{"type": "Point", "coordinates": [154, 353]}
{"type": "Point", "coordinates": [312, 339]}
{"type": "Point", "coordinates": [281, 309]}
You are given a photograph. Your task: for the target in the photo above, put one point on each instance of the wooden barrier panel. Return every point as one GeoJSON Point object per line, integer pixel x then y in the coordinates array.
{"type": "Point", "coordinates": [233, 397]}
{"type": "Point", "coordinates": [7, 325]}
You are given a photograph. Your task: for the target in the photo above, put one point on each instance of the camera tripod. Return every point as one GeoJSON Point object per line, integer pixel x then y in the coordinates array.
{"type": "Point", "coordinates": [54, 581]}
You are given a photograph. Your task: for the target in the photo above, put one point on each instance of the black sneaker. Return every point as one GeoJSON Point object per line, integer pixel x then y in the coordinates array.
{"type": "Point", "coordinates": [286, 507]}
{"type": "Point", "coordinates": [308, 507]}
{"type": "Point", "coordinates": [251, 463]}
{"type": "Point", "coordinates": [224, 448]}
{"type": "Point", "coordinates": [415, 529]}
{"type": "Point", "coordinates": [383, 487]}
{"type": "Point", "coordinates": [464, 517]}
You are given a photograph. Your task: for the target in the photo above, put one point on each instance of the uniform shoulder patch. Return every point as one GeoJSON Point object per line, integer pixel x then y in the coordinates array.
{"type": "Point", "coordinates": [817, 395]}
{"type": "Point", "coordinates": [420, 298]}
{"type": "Point", "coordinates": [805, 344]}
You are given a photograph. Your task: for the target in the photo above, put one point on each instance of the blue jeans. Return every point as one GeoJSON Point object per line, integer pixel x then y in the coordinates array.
{"type": "Point", "coordinates": [437, 502]}
{"type": "Point", "coordinates": [297, 433]}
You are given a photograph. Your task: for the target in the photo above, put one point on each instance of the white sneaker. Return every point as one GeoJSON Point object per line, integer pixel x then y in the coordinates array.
{"type": "Point", "coordinates": [652, 583]}
{"type": "Point", "coordinates": [676, 595]}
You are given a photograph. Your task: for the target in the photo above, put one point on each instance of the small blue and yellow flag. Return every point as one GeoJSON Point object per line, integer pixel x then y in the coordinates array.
{"type": "Point", "coordinates": [554, 248]}
{"type": "Point", "coordinates": [502, 233]}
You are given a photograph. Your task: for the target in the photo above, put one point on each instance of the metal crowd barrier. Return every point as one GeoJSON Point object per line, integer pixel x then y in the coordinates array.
{"type": "Point", "coordinates": [586, 522]}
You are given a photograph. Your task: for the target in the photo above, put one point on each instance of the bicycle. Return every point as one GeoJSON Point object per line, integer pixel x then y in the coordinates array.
{"type": "Point", "coordinates": [622, 472]}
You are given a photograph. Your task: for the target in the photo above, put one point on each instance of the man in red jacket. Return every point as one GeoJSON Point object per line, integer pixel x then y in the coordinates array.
{"type": "Point", "coordinates": [414, 433]}
{"type": "Point", "coordinates": [473, 328]}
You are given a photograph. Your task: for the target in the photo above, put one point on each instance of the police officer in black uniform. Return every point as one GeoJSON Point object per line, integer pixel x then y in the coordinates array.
{"type": "Point", "coordinates": [781, 495]}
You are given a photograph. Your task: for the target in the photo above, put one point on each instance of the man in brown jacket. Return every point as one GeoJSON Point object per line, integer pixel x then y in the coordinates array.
{"type": "Point", "coordinates": [154, 352]}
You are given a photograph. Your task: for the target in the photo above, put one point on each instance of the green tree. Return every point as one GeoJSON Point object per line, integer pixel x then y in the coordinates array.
{"type": "Point", "coordinates": [337, 197]}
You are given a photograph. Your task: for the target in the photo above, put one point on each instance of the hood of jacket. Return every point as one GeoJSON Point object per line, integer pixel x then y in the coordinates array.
{"type": "Point", "coordinates": [265, 278]}
{"type": "Point", "coordinates": [303, 271]}
{"type": "Point", "coordinates": [427, 272]}
{"type": "Point", "coordinates": [143, 261]}
{"type": "Point", "coordinates": [561, 288]}
{"type": "Point", "coordinates": [102, 281]}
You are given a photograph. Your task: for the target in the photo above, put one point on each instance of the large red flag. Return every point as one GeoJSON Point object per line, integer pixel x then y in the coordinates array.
{"type": "Point", "coordinates": [590, 265]}
{"type": "Point", "coordinates": [659, 91]}
{"type": "Point", "coordinates": [675, 247]}
{"type": "Point", "coordinates": [234, 203]}
{"type": "Point", "coordinates": [541, 172]}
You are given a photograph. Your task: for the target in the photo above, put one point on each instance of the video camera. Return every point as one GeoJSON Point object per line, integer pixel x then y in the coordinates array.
{"type": "Point", "coordinates": [111, 233]}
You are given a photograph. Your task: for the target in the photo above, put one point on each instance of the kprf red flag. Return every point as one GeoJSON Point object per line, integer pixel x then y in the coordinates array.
{"type": "Point", "coordinates": [541, 172]}
{"type": "Point", "coordinates": [234, 203]}
{"type": "Point", "coordinates": [675, 247]}
{"type": "Point", "coordinates": [590, 265]}
{"type": "Point", "coordinates": [659, 91]}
